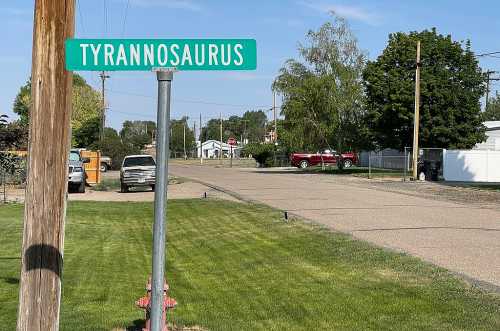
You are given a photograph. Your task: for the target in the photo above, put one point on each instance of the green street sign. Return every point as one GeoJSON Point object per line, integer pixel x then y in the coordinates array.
{"type": "Point", "coordinates": [146, 54]}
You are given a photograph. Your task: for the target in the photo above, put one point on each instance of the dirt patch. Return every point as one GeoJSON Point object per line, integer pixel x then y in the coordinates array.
{"type": "Point", "coordinates": [180, 190]}
{"type": "Point", "coordinates": [442, 191]}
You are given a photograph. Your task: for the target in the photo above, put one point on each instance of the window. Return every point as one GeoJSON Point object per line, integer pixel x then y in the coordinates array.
{"type": "Point", "coordinates": [74, 156]}
{"type": "Point", "coordinates": [139, 161]}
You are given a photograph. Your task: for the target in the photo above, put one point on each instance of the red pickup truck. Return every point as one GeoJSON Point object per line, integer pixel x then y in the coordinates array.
{"type": "Point", "coordinates": [304, 160]}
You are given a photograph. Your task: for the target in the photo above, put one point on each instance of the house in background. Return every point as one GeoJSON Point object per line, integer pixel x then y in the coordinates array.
{"type": "Point", "coordinates": [492, 142]}
{"type": "Point", "coordinates": [211, 149]}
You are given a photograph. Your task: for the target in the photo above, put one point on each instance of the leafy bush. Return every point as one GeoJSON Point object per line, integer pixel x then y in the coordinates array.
{"type": "Point", "coordinates": [13, 167]}
{"type": "Point", "coordinates": [262, 153]}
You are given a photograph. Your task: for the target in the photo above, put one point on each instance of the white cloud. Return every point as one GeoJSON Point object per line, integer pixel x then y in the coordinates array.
{"type": "Point", "coordinates": [174, 4]}
{"type": "Point", "coordinates": [346, 11]}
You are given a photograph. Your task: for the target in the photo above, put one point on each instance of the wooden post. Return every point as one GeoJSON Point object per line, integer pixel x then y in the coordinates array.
{"type": "Point", "coordinates": [47, 183]}
{"type": "Point", "coordinates": [416, 122]}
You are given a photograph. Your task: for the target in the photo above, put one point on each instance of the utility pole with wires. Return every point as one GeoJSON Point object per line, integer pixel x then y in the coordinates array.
{"type": "Point", "coordinates": [416, 121]}
{"type": "Point", "coordinates": [201, 141]}
{"type": "Point", "coordinates": [488, 79]}
{"type": "Point", "coordinates": [184, 138]}
{"type": "Point", "coordinates": [220, 146]}
{"type": "Point", "coordinates": [103, 105]}
{"type": "Point", "coordinates": [275, 138]}
{"type": "Point", "coordinates": [47, 182]}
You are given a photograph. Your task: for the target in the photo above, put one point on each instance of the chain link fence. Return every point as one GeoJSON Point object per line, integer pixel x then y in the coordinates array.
{"type": "Point", "coordinates": [12, 175]}
{"type": "Point", "coordinates": [399, 164]}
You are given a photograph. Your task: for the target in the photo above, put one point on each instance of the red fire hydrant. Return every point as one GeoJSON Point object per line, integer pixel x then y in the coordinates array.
{"type": "Point", "coordinates": [145, 303]}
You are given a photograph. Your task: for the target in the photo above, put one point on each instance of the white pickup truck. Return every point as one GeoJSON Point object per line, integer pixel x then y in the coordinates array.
{"type": "Point", "coordinates": [105, 163]}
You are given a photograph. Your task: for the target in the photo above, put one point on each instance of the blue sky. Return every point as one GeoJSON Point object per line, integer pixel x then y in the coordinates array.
{"type": "Point", "coordinates": [277, 26]}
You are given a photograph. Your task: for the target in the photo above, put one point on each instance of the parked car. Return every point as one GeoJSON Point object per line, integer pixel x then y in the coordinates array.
{"type": "Point", "coordinates": [105, 163]}
{"type": "Point", "coordinates": [136, 171]}
{"type": "Point", "coordinates": [77, 177]}
{"type": "Point", "coordinates": [304, 160]}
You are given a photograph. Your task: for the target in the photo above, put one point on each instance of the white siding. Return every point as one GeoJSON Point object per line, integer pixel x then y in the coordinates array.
{"type": "Point", "coordinates": [471, 166]}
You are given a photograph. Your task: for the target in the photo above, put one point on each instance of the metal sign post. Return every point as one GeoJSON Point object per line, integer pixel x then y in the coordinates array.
{"type": "Point", "coordinates": [161, 55]}
{"type": "Point", "coordinates": [164, 78]}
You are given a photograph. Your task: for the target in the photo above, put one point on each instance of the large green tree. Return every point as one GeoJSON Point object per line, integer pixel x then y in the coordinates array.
{"type": "Point", "coordinates": [323, 93]}
{"type": "Point", "coordinates": [13, 135]}
{"type": "Point", "coordinates": [451, 87]}
{"type": "Point", "coordinates": [251, 126]}
{"type": "Point", "coordinates": [177, 128]}
{"type": "Point", "coordinates": [86, 110]}
{"type": "Point", "coordinates": [492, 112]}
{"type": "Point", "coordinates": [138, 133]}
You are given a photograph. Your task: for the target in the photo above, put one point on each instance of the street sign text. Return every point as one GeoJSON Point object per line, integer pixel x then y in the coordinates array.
{"type": "Point", "coordinates": [145, 54]}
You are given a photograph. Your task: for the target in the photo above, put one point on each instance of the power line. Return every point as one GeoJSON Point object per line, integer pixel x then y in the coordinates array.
{"type": "Point", "coordinates": [488, 54]}
{"type": "Point", "coordinates": [105, 17]}
{"type": "Point", "coordinates": [81, 16]}
{"type": "Point", "coordinates": [131, 114]}
{"type": "Point", "coordinates": [125, 17]}
{"type": "Point", "coordinates": [191, 101]}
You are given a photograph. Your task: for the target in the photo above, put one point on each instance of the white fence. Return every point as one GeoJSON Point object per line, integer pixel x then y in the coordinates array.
{"type": "Point", "coordinates": [471, 165]}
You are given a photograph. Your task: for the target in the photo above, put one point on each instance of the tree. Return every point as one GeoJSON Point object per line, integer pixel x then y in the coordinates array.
{"type": "Point", "coordinates": [113, 146]}
{"type": "Point", "coordinates": [251, 126]}
{"type": "Point", "coordinates": [13, 135]}
{"type": "Point", "coordinates": [137, 133]}
{"type": "Point", "coordinates": [177, 128]}
{"type": "Point", "coordinates": [323, 94]}
{"type": "Point", "coordinates": [86, 110]}
{"type": "Point", "coordinates": [451, 86]}
{"type": "Point", "coordinates": [492, 112]}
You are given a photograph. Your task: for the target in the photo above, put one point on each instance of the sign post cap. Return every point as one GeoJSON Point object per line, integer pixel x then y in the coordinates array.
{"type": "Point", "coordinates": [163, 74]}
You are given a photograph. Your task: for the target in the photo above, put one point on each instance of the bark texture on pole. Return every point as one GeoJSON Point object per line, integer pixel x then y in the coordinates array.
{"type": "Point", "coordinates": [416, 120]}
{"type": "Point", "coordinates": [46, 189]}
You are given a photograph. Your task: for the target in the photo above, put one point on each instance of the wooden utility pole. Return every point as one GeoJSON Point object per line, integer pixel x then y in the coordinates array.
{"type": "Point", "coordinates": [220, 146]}
{"type": "Point", "coordinates": [184, 139]}
{"type": "Point", "coordinates": [488, 79]}
{"type": "Point", "coordinates": [201, 141]}
{"type": "Point", "coordinates": [416, 121]}
{"type": "Point", "coordinates": [47, 182]}
{"type": "Point", "coordinates": [275, 118]}
{"type": "Point", "coordinates": [103, 105]}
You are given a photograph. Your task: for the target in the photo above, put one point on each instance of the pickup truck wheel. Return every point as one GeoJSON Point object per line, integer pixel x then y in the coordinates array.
{"type": "Point", "coordinates": [152, 188]}
{"type": "Point", "coordinates": [123, 188]}
{"type": "Point", "coordinates": [347, 163]}
{"type": "Point", "coordinates": [303, 164]}
{"type": "Point", "coordinates": [81, 187]}
{"type": "Point", "coordinates": [103, 167]}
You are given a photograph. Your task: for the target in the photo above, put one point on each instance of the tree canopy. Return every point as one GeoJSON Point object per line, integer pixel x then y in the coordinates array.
{"type": "Point", "coordinates": [451, 86]}
{"type": "Point", "coordinates": [251, 127]}
{"type": "Point", "coordinates": [323, 93]}
{"type": "Point", "coordinates": [86, 110]}
{"type": "Point", "coordinates": [177, 128]}
{"type": "Point", "coordinates": [137, 133]}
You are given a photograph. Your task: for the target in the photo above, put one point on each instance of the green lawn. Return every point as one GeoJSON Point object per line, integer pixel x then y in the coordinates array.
{"type": "Point", "coordinates": [240, 267]}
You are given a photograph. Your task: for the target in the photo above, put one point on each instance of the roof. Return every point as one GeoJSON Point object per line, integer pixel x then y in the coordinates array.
{"type": "Point", "coordinates": [492, 125]}
{"type": "Point", "coordinates": [217, 142]}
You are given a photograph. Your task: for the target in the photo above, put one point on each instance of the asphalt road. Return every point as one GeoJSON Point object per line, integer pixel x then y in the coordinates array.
{"type": "Point", "coordinates": [463, 238]}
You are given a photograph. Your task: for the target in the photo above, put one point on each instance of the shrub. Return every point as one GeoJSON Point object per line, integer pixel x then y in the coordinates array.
{"type": "Point", "coordinates": [262, 153]}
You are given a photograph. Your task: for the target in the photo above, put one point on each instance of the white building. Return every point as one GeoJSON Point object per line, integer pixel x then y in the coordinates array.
{"type": "Point", "coordinates": [493, 137]}
{"type": "Point", "coordinates": [211, 149]}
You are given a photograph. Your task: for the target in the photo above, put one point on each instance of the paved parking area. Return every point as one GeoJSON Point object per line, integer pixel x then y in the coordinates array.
{"type": "Point", "coordinates": [460, 236]}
